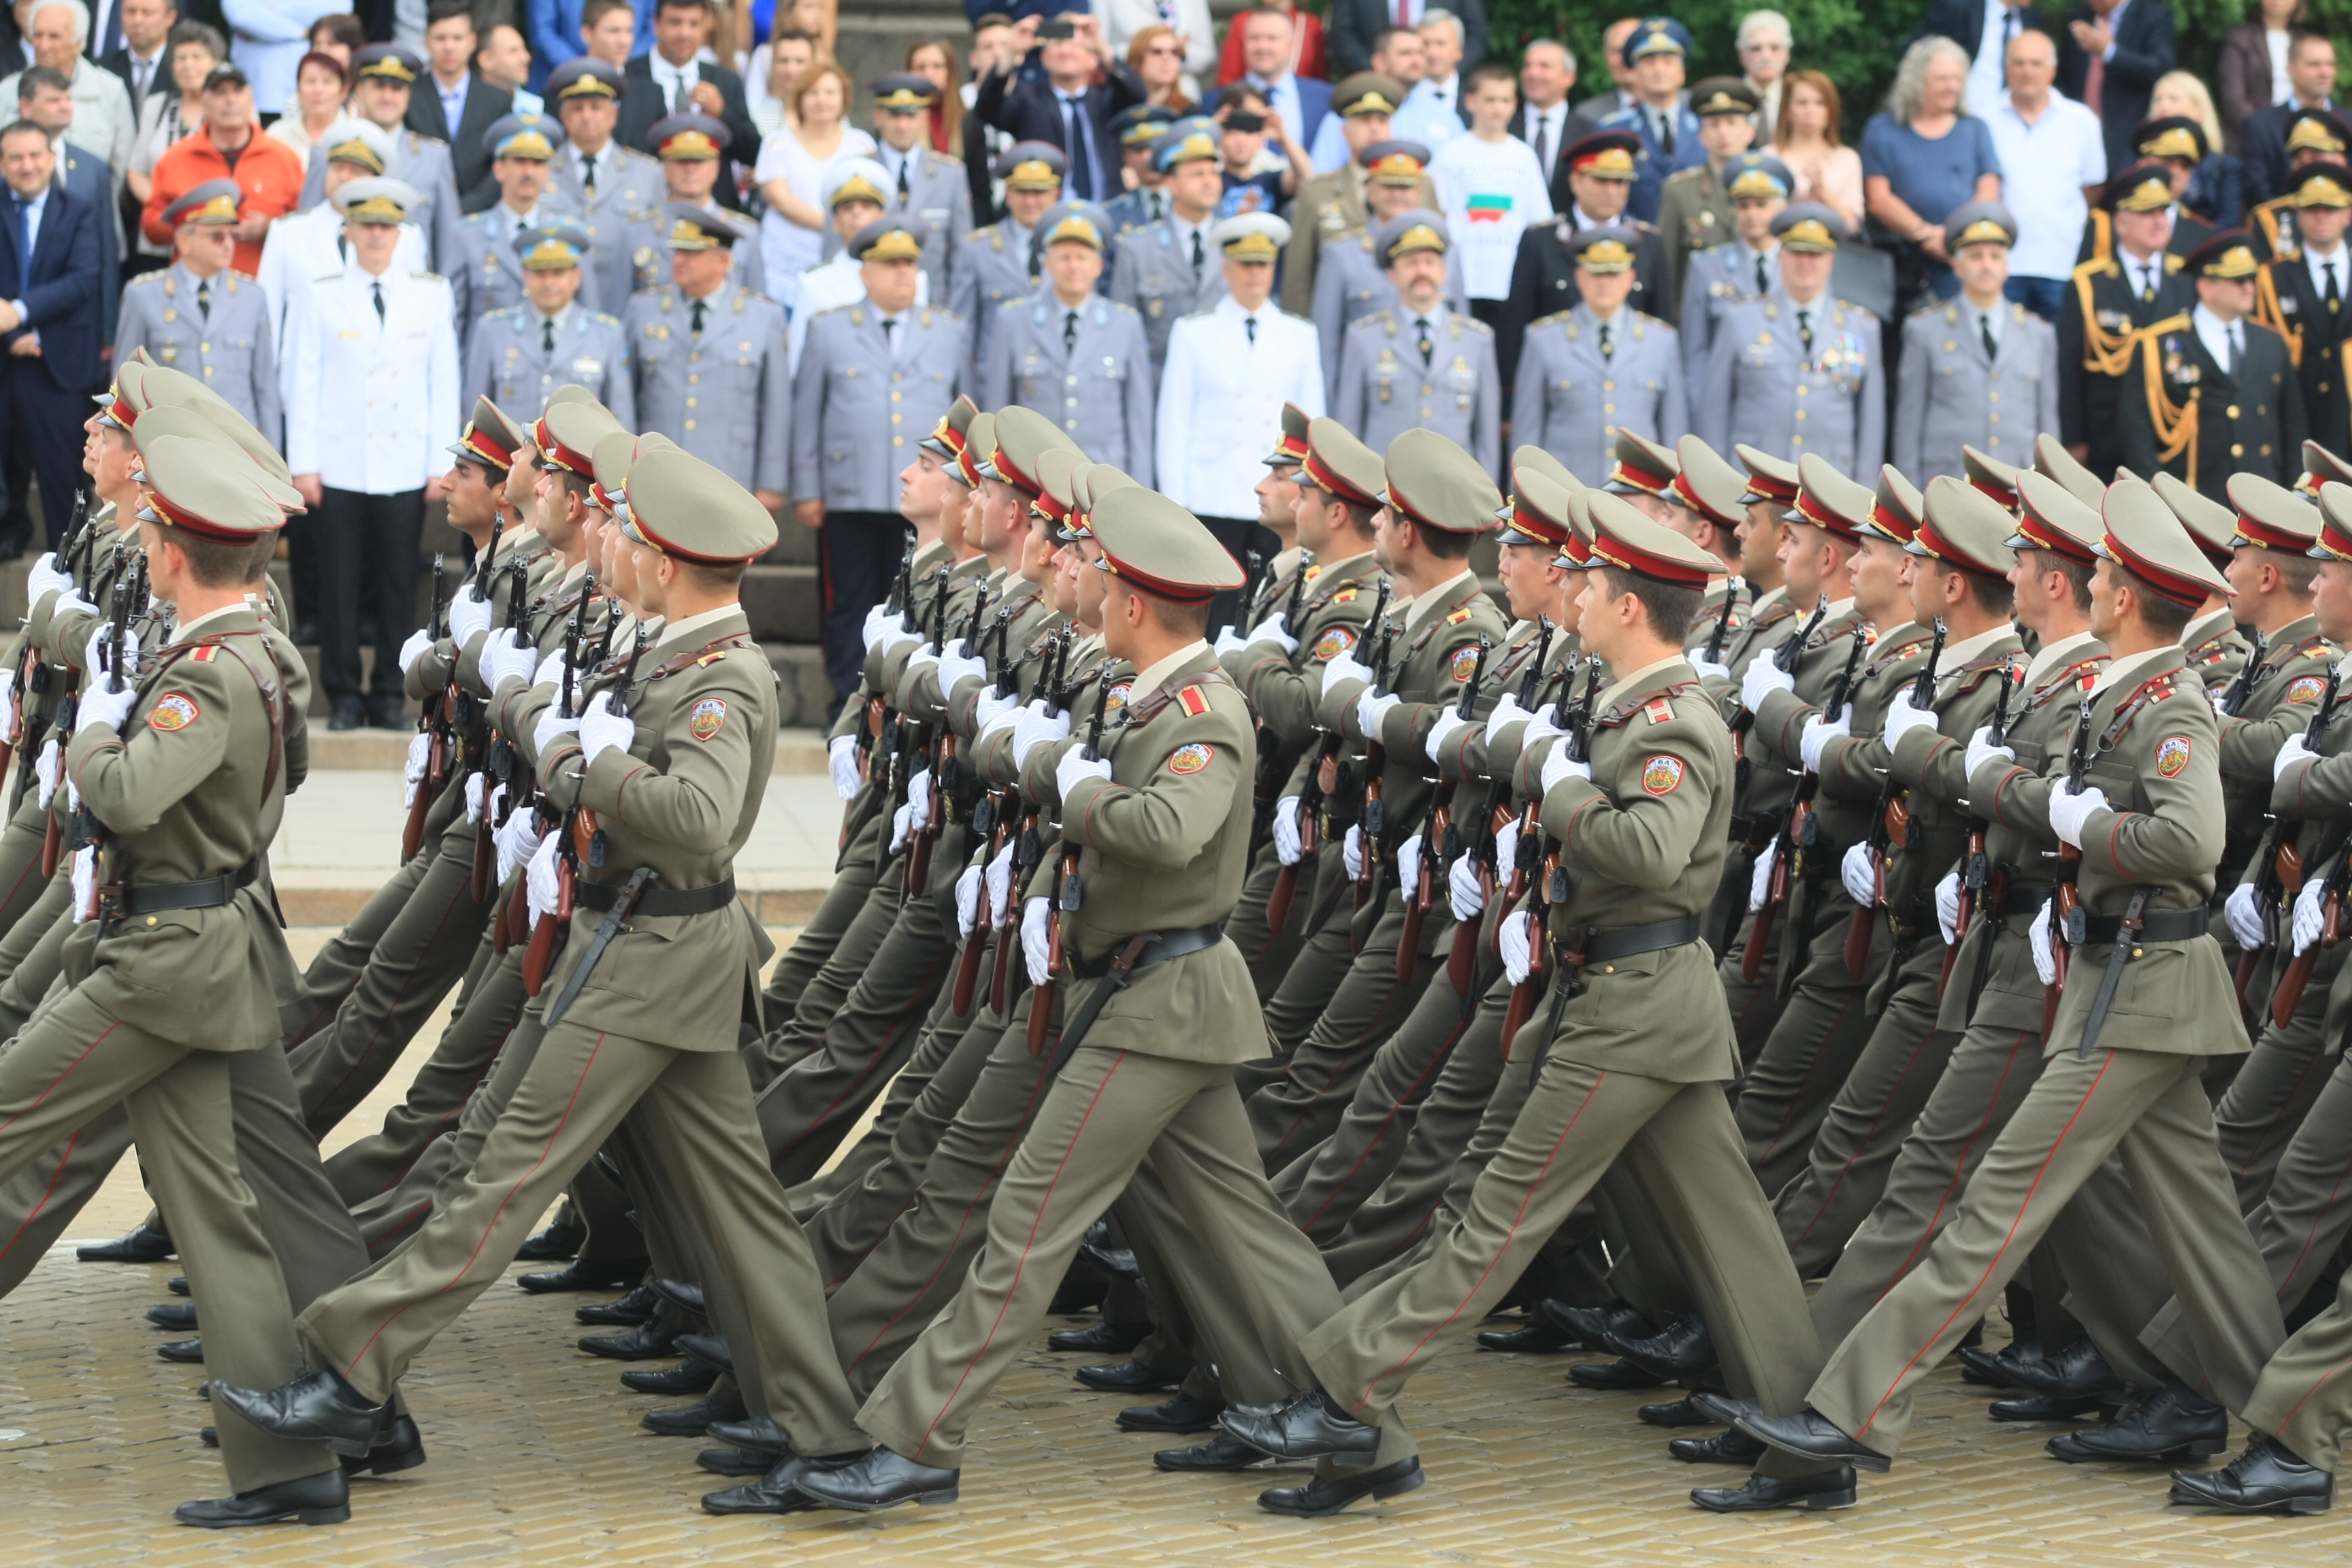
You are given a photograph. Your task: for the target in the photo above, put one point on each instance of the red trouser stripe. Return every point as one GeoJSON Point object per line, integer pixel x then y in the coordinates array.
{"type": "Point", "coordinates": [1797, 1095]}
{"type": "Point", "coordinates": [1396, 1108]}
{"type": "Point", "coordinates": [47, 1193]}
{"type": "Point", "coordinates": [52, 1085]}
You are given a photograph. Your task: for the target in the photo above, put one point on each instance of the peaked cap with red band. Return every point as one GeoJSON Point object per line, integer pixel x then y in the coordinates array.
{"type": "Point", "coordinates": [1895, 508]}
{"type": "Point", "coordinates": [2050, 458]}
{"type": "Point", "coordinates": [1340, 465]}
{"type": "Point", "coordinates": [567, 433]}
{"type": "Point", "coordinates": [1290, 450]}
{"type": "Point", "coordinates": [1828, 500]}
{"type": "Point", "coordinates": [2212, 526]}
{"type": "Point", "coordinates": [1023, 436]}
{"type": "Point", "coordinates": [1769, 477]}
{"type": "Point", "coordinates": [1538, 512]}
{"type": "Point", "coordinates": [491, 439]}
{"type": "Point", "coordinates": [1991, 474]}
{"type": "Point", "coordinates": [1433, 483]}
{"type": "Point", "coordinates": [2052, 517]}
{"type": "Point", "coordinates": [1624, 538]}
{"type": "Point", "coordinates": [1707, 485]}
{"type": "Point", "coordinates": [686, 509]}
{"type": "Point", "coordinates": [188, 486]}
{"type": "Point", "coordinates": [2334, 542]}
{"type": "Point", "coordinates": [1963, 528]}
{"type": "Point", "coordinates": [2272, 516]}
{"type": "Point", "coordinates": [1641, 465]}
{"type": "Point", "coordinates": [1152, 544]}
{"type": "Point", "coordinates": [2145, 538]}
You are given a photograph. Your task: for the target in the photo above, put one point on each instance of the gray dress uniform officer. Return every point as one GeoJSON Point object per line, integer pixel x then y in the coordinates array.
{"type": "Point", "coordinates": [999, 261]}
{"type": "Point", "coordinates": [1350, 283]}
{"type": "Point", "coordinates": [215, 327]}
{"type": "Point", "coordinates": [518, 356]}
{"type": "Point", "coordinates": [709, 373]}
{"type": "Point", "coordinates": [417, 160]}
{"type": "Point", "coordinates": [1968, 376]}
{"type": "Point", "coordinates": [931, 192]}
{"type": "Point", "coordinates": [691, 147]}
{"type": "Point", "coordinates": [1723, 276]}
{"type": "Point", "coordinates": [608, 187]}
{"type": "Point", "coordinates": [1789, 377]}
{"type": "Point", "coordinates": [1161, 271]}
{"type": "Point", "coordinates": [1583, 377]}
{"type": "Point", "coordinates": [484, 274]}
{"type": "Point", "coordinates": [1138, 126]}
{"type": "Point", "coordinates": [1087, 367]}
{"type": "Point", "coordinates": [1421, 365]}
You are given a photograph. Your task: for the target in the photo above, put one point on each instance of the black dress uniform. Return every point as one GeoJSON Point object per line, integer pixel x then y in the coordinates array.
{"type": "Point", "coordinates": [2304, 297]}
{"type": "Point", "coordinates": [2109, 299]}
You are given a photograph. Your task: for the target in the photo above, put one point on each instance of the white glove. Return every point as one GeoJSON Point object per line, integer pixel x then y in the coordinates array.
{"type": "Point", "coordinates": [1948, 907]}
{"type": "Point", "coordinates": [1228, 642]}
{"type": "Point", "coordinates": [468, 616]}
{"type": "Point", "coordinates": [1274, 629]}
{"type": "Point", "coordinates": [1464, 891]}
{"type": "Point", "coordinates": [2046, 963]}
{"type": "Point", "coordinates": [2310, 913]}
{"type": "Point", "coordinates": [1981, 750]}
{"type": "Point", "coordinates": [919, 798]}
{"type": "Point", "coordinates": [968, 899]}
{"type": "Point", "coordinates": [1541, 724]}
{"type": "Point", "coordinates": [1902, 718]}
{"type": "Point", "coordinates": [898, 634]}
{"type": "Point", "coordinates": [602, 730]}
{"type": "Point", "coordinates": [1519, 954]}
{"type": "Point", "coordinates": [98, 705]}
{"type": "Point", "coordinates": [1859, 875]}
{"type": "Point", "coordinates": [47, 576]}
{"type": "Point", "coordinates": [2243, 911]}
{"type": "Point", "coordinates": [901, 821]}
{"type": "Point", "coordinates": [1287, 847]}
{"type": "Point", "coordinates": [1368, 709]}
{"type": "Point", "coordinates": [1351, 853]}
{"type": "Point", "coordinates": [1710, 670]}
{"type": "Point", "coordinates": [1034, 728]}
{"type": "Point", "coordinates": [85, 880]}
{"type": "Point", "coordinates": [1000, 879]}
{"type": "Point", "coordinates": [1760, 881]}
{"type": "Point", "coordinates": [46, 768]}
{"type": "Point", "coordinates": [73, 797]}
{"type": "Point", "coordinates": [1506, 847]}
{"type": "Point", "coordinates": [517, 838]}
{"type": "Point", "coordinates": [475, 784]}
{"type": "Point", "coordinates": [539, 882]}
{"type": "Point", "coordinates": [7, 701]}
{"type": "Point", "coordinates": [1344, 666]}
{"type": "Point", "coordinates": [841, 761]}
{"type": "Point", "coordinates": [2220, 700]}
{"type": "Point", "coordinates": [505, 657]}
{"type": "Point", "coordinates": [97, 652]}
{"type": "Point", "coordinates": [551, 725]}
{"type": "Point", "coordinates": [1449, 719]}
{"type": "Point", "coordinates": [925, 654]}
{"type": "Point", "coordinates": [1409, 864]}
{"type": "Point", "coordinates": [2294, 751]}
{"type": "Point", "coordinates": [550, 669]}
{"type": "Point", "coordinates": [2069, 811]}
{"type": "Point", "coordinates": [995, 709]}
{"type": "Point", "coordinates": [1559, 765]}
{"type": "Point", "coordinates": [1764, 675]}
{"type": "Point", "coordinates": [878, 621]}
{"type": "Point", "coordinates": [412, 772]}
{"type": "Point", "coordinates": [955, 668]}
{"type": "Point", "coordinates": [72, 601]}
{"type": "Point", "coordinates": [1818, 733]}
{"type": "Point", "coordinates": [1507, 711]}
{"type": "Point", "coordinates": [414, 648]}
{"type": "Point", "coordinates": [1036, 941]}
{"type": "Point", "coordinates": [1076, 765]}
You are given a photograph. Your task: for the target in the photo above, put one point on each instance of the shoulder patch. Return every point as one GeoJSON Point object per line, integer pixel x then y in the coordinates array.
{"type": "Point", "coordinates": [1334, 643]}
{"type": "Point", "coordinates": [173, 711]}
{"type": "Point", "coordinates": [2306, 688]}
{"type": "Point", "coordinates": [709, 717]}
{"type": "Point", "coordinates": [2171, 756]}
{"type": "Point", "coordinates": [1465, 662]}
{"type": "Point", "coordinates": [1662, 775]}
{"type": "Point", "coordinates": [1191, 757]}
{"type": "Point", "coordinates": [1193, 700]}
{"type": "Point", "coordinates": [1658, 710]}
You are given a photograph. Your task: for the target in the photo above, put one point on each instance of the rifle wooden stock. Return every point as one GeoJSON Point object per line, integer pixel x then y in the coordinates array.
{"type": "Point", "coordinates": [539, 956]}
{"type": "Point", "coordinates": [975, 948]}
{"type": "Point", "coordinates": [485, 854]}
{"type": "Point", "coordinates": [1418, 898]}
{"type": "Point", "coordinates": [1857, 940]}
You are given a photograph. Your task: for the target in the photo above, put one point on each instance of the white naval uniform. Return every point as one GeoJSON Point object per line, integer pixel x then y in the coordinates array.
{"type": "Point", "coordinates": [302, 246]}
{"type": "Point", "coordinates": [1221, 398]}
{"type": "Point", "coordinates": [372, 407]}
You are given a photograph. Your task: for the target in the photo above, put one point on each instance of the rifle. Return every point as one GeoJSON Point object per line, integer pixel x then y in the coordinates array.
{"type": "Point", "coordinates": [2285, 867]}
{"type": "Point", "coordinates": [945, 771]}
{"type": "Point", "coordinates": [1722, 632]}
{"type": "Point", "coordinates": [501, 755]}
{"type": "Point", "coordinates": [1030, 846]}
{"type": "Point", "coordinates": [1252, 584]}
{"type": "Point", "coordinates": [2066, 903]}
{"type": "Point", "coordinates": [1462, 959]}
{"type": "Point", "coordinates": [991, 821]}
{"type": "Point", "coordinates": [31, 662]}
{"type": "Point", "coordinates": [538, 957]}
{"type": "Point", "coordinates": [870, 733]}
{"type": "Point", "coordinates": [1326, 777]}
{"type": "Point", "coordinates": [1552, 888]}
{"type": "Point", "coordinates": [1786, 657]}
{"type": "Point", "coordinates": [89, 832]}
{"type": "Point", "coordinates": [1439, 838]}
{"type": "Point", "coordinates": [1890, 822]}
{"type": "Point", "coordinates": [122, 606]}
{"type": "Point", "coordinates": [1376, 763]}
{"type": "Point", "coordinates": [1976, 867]}
{"type": "Point", "coordinates": [2250, 675]}
{"type": "Point", "coordinates": [1070, 892]}
{"type": "Point", "coordinates": [1800, 829]}
{"type": "Point", "coordinates": [428, 723]}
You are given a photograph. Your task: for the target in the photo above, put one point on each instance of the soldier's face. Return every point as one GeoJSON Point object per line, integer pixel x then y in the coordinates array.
{"type": "Point", "coordinates": [110, 459]}
{"type": "Point", "coordinates": [551, 288]}
{"type": "Point", "coordinates": [589, 122]}
{"type": "Point", "coordinates": [698, 272]}
{"type": "Point", "coordinates": [1317, 515]}
{"type": "Point", "coordinates": [1037, 548]}
{"type": "Point", "coordinates": [1002, 516]}
{"type": "Point", "coordinates": [1659, 76]}
{"type": "Point", "coordinates": [2255, 578]}
{"type": "Point", "coordinates": [385, 103]}
{"type": "Point", "coordinates": [1250, 282]}
{"type": "Point", "coordinates": [1094, 584]}
{"type": "Point", "coordinates": [891, 284]}
{"type": "Point", "coordinates": [1531, 588]}
{"type": "Point", "coordinates": [1760, 543]}
{"type": "Point", "coordinates": [1983, 269]}
{"type": "Point", "coordinates": [1277, 498]}
{"type": "Point", "coordinates": [2107, 590]}
{"type": "Point", "coordinates": [1196, 186]}
{"type": "Point", "coordinates": [2332, 599]}
{"type": "Point", "coordinates": [2323, 226]}
{"type": "Point", "coordinates": [472, 502]}
{"type": "Point", "coordinates": [207, 248]}
{"type": "Point", "coordinates": [1724, 134]}
{"type": "Point", "coordinates": [901, 127]}
{"type": "Point", "coordinates": [1801, 548]}
{"type": "Point", "coordinates": [1388, 201]}
{"type": "Point", "coordinates": [849, 217]}
{"type": "Point", "coordinates": [2144, 234]}
{"type": "Point", "coordinates": [1074, 266]}
{"type": "Point", "coordinates": [650, 570]}
{"type": "Point", "coordinates": [691, 179]}
{"type": "Point", "coordinates": [1419, 276]}
{"type": "Point", "coordinates": [521, 179]}
{"type": "Point", "coordinates": [1361, 131]}
{"type": "Point", "coordinates": [1878, 580]}
{"type": "Point", "coordinates": [920, 484]}
{"type": "Point", "coordinates": [373, 243]}
{"type": "Point", "coordinates": [1805, 273]}
{"type": "Point", "coordinates": [2228, 298]}
{"type": "Point", "coordinates": [1028, 206]}
{"type": "Point", "coordinates": [1754, 215]}
{"type": "Point", "coordinates": [1605, 293]}
{"type": "Point", "coordinates": [1600, 199]}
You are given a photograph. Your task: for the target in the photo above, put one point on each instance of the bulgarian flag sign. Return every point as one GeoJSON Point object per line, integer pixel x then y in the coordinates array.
{"type": "Point", "coordinates": [1488, 208]}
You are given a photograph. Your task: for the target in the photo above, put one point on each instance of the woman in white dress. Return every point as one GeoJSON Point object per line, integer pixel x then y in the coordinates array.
{"type": "Point", "coordinates": [791, 171]}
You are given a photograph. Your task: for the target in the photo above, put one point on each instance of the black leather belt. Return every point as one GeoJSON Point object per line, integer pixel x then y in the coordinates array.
{"type": "Point", "coordinates": [2155, 925]}
{"type": "Point", "coordinates": [1624, 942]}
{"type": "Point", "coordinates": [206, 893]}
{"type": "Point", "coordinates": [601, 896]}
{"type": "Point", "coordinates": [2025, 898]}
{"type": "Point", "coordinates": [1168, 945]}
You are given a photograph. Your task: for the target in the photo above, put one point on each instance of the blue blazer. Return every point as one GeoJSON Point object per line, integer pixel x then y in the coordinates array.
{"type": "Point", "coordinates": [62, 299]}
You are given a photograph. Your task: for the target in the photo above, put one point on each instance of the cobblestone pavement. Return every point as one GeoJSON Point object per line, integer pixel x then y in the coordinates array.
{"type": "Point", "coordinates": [536, 1457]}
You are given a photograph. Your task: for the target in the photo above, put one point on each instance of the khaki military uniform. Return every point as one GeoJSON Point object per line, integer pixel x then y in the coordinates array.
{"type": "Point", "coordinates": [1695, 214]}
{"type": "Point", "coordinates": [1761, 789]}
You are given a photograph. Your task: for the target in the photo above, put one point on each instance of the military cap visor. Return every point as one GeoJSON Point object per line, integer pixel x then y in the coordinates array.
{"type": "Point", "coordinates": [2316, 131]}
{"type": "Point", "coordinates": [1809, 227]}
{"type": "Point", "coordinates": [2173, 136]}
{"type": "Point", "coordinates": [1290, 446]}
{"type": "Point", "coordinates": [532, 138]}
{"type": "Point", "coordinates": [1828, 500]}
{"type": "Point", "coordinates": [388, 62]}
{"type": "Point", "coordinates": [696, 229]}
{"type": "Point", "coordinates": [583, 78]}
{"type": "Point", "coordinates": [189, 487]}
{"type": "Point", "coordinates": [2142, 188]}
{"type": "Point", "coordinates": [904, 92]}
{"type": "Point", "coordinates": [1758, 176]}
{"type": "Point", "coordinates": [2228, 255]}
{"type": "Point", "coordinates": [1031, 166]}
{"type": "Point", "coordinates": [1655, 35]}
{"type": "Point", "coordinates": [2334, 541]}
{"type": "Point", "coordinates": [1604, 155]}
{"type": "Point", "coordinates": [691, 511]}
{"type": "Point", "coordinates": [2271, 515]}
{"type": "Point", "coordinates": [2145, 539]}
{"type": "Point", "coordinates": [1962, 529]}
{"type": "Point", "coordinates": [379, 201]}
{"type": "Point", "coordinates": [1895, 508]}
{"type": "Point", "coordinates": [1722, 95]}
{"type": "Point", "coordinates": [1151, 543]}
{"type": "Point", "coordinates": [2323, 185]}
{"type": "Point", "coordinates": [1367, 92]}
{"type": "Point", "coordinates": [1393, 163]}
{"type": "Point", "coordinates": [2053, 518]}
{"type": "Point", "coordinates": [1253, 237]}
{"type": "Point", "coordinates": [490, 438]}
{"type": "Point", "coordinates": [214, 202]}
{"type": "Point", "coordinates": [1624, 538]}
{"type": "Point", "coordinates": [1604, 250]}
{"type": "Point", "coordinates": [1340, 465]}
{"type": "Point", "coordinates": [1420, 230]}
{"type": "Point", "coordinates": [1537, 512]}
{"type": "Point", "coordinates": [691, 138]}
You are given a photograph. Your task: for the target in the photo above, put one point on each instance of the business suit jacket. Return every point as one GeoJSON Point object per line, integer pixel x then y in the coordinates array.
{"type": "Point", "coordinates": [64, 300]}
{"type": "Point", "coordinates": [2241, 79]}
{"type": "Point", "coordinates": [2144, 51]}
{"type": "Point", "coordinates": [85, 175]}
{"type": "Point", "coordinates": [486, 105]}
{"type": "Point", "coordinates": [642, 104]}
{"type": "Point", "coordinates": [158, 81]}
{"type": "Point", "coordinates": [1352, 25]}
{"type": "Point", "coordinates": [2261, 153]}
{"type": "Point", "coordinates": [1962, 21]}
{"type": "Point", "coordinates": [1028, 112]}
{"type": "Point", "coordinates": [2251, 423]}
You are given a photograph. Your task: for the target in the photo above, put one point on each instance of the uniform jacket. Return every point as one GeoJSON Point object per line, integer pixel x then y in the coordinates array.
{"type": "Point", "coordinates": [2287, 298]}
{"type": "Point", "coordinates": [1654, 164]}
{"type": "Point", "coordinates": [992, 264]}
{"type": "Point", "coordinates": [2095, 328]}
{"type": "Point", "coordinates": [1693, 215]}
{"type": "Point", "coordinates": [1152, 276]}
{"type": "Point", "coordinates": [1543, 283]}
{"type": "Point", "coordinates": [1714, 280]}
{"type": "Point", "coordinates": [629, 189]}
{"type": "Point", "coordinates": [1097, 387]}
{"type": "Point", "coordinates": [508, 361]}
{"type": "Point", "coordinates": [1350, 284]}
{"type": "Point", "coordinates": [1762, 388]}
{"type": "Point", "coordinates": [232, 350]}
{"type": "Point", "coordinates": [1285, 690]}
{"type": "Point", "coordinates": [939, 205]}
{"type": "Point", "coordinates": [1384, 390]}
{"type": "Point", "coordinates": [860, 405]}
{"type": "Point", "coordinates": [487, 275]}
{"type": "Point", "coordinates": [1948, 393]}
{"type": "Point", "coordinates": [1327, 207]}
{"type": "Point", "coordinates": [645, 243]}
{"type": "Point", "coordinates": [2196, 422]}
{"type": "Point", "coordinates": [2279, 700]}
{"type": "Point", "coordinates": [725, 397]}
{"type": "Point", "coordinates": [1222, 394]}
{"type": "Point", "coordinates": [1571, 402]}
{"type": "Point", "coordinates": [373, 406]}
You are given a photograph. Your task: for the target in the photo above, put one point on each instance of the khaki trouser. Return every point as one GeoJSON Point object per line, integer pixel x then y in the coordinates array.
{"type": "Point", "coordinates": [1099, 1118]}
{"type": "Point", "coordinates": [21, 883]}
{"type": "Point", "coordinates": [336, 967]}
{"type": "Point", "coordinates": [853, 879]}
{"type": "Point", "coordinates": [1679, 1144]}
{"type": "Point", "coordinates": [2304, 1397]}
{"type": "Point", "coordinates": [796, 1025]}
{"type": "Point", "coordinates": [2273, 1090]}
{"type": "Point", "coordinates": [1326, 956]}
{"type": "Point", "coordinates": [1823, 1028]}
{"type": "Point", "coordinates": [691, 1117]}
{"type": "Point", "coordinates": [1755, 1004]}
{"type": "Point", "coordinates": [2149, 1109]}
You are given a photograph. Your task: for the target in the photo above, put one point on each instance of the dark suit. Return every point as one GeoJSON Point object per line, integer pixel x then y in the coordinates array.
{"type": "Point", "coordinates": [158, 79]}
{"type": "Point", "coordinates": [1314, 103]}
{"type": "Point", "coordinates": [2250, 424]}
{"type": "Point", "coordinates": [1351, 25]}
{"type": "Point", "coordinates": [1573, 128]}
{"type": "Point", "coordinates": [2263, 158]}
{"type": "Point", "coordinates": [1028, 112]}
{"type": "Point", "coordinates": [2144, 51]}
{"type": "Point", "coordinates": [642, 104]}
{"type": "Point", "coordinates": [84, 174]}
{"type": "Point", "coordinates": [1543, 282]}
{"type": "Point", "coordinates": [45, 396]}
{"type": "Point", "coordinates": [1962, 21]}
{"type": "Point", "coordinates": [486, 105]}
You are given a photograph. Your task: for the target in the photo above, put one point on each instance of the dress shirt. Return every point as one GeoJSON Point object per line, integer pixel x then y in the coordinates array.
{"type": "Point", "coordinates": [1544, 128]}
{"type": "Point", "coordinates": [504, 223]}
{"type": "Point", "coordinates": [1211, 258]}
{"type": "Point", "coordinates": [1984, 320]}
{"type": "Point", "coordinates": [602, 161]}
{"type": "Point", "coordinates": [2045, 165]}
{"type": "Point", "coordinates": [2340, 258]}
{"type": "Point", "coordinates": [143, 73]}
{"type": "Point", "coordinates": [2218, 338]}
{"type": "Point", "coordinates": [901, 166]}
{"type": "Point", "coordinates": [2115, 25]}
{"type": "Point", "coordinates": [1080, 140]}
{"type": "Point", "coordinates": [29, 236]}
{"type": "Point", "coordinates": [1989, 72]}
{"type": "Point", "coordinates": [453, 100]}
{"type": "Point", "coordinates": [2145, 275]}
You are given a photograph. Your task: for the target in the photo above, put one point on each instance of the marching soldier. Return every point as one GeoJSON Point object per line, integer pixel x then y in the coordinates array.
{"type": "Point", "coordinates": [1797, 372]}
{"type": "Point", "coordinates": [2313, 136]}
{"type": "Point", "coordinates": [2213, 646]}
{"type": "Point", "coordinates": [2108, 301]}
{"type": "Point", "coordinates": [1351, 281]}
{"type": "Point", "coordinates": [1137, 127]}
{"type": "Point", "coordinates": [1742, 264]}
{"type": "Point", "coordinates": [2214, 392]}
{"type": "Point", "coordinates": [200, 315]}
{"type": "Point", "coordinates": [691, 147]}
{"type": "Point", "coordinates": [999, 261]}
{"type": "Point", "coordinates": [1600, 178]}
{"type": "Point", "coordinates": [707, 362]}
{"type": "Point", "coordinates": [1168, 271]}
{"type": "Point", "coordinates": [609, 186]}
{"type": "Point", "coordinates": [1335, 205]}
{"type": "Point", "coordinates": [1587, 374]}
{"type": "Point", "coordinates": [1421, 365]}
{"type": "Point", "coordinates": [485, 276]}
{"type": "Point", "coordinates": [1695, 211]}
{"type": "Point", "coordinates": [1077, 358]}
{"type": "Point", "coordinates": [926, 189]}
{"type": "Point", "coordinates": [520, 355]}
{"type": "Point", "coordinates": [2302, 297]}
{"type": "Point", "coordinates": [1977, 371]}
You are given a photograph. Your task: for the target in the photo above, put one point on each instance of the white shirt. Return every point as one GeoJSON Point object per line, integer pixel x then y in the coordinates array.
{"type": "Point", "coordinates": [2281, 90]}
{"type": "Point", "coordinates": [1221, 393]}
{"type": "Point", "coordinates": [1428, 114]}
{"type": "Point", "coordinates": [2217, 337]}
{"type": "Point", "coordinates": [1283, 95]}
{"type": "Point", "coordinates": [1489, 191]}
{"type": "Point", "coordinates": [373, 404]}
{"type": "Point", "coordinates": [143, 69]}
{"type": "Point", "coordinates": [677, 82]}
{"type": "Point", "coordinates": [2142, 275]}
{"type": "Point", "coordinates": [453, 99]}
{"type": "Point", "coordinates": [2045, 166]}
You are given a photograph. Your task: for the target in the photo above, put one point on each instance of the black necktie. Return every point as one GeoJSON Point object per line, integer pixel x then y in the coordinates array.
{"type": "Point", "coordinates": [2007, 27]}
{"type": "Point", "coordinates": [205, 299]}
{"type": "Point", "coordinates": [1082, 156]}
{"type": "Point", "coordinates": [588, 174]}
{"type": "Point", "coordinates": [1608, 347]}
{"type": "Point", "coordinates": [2335, 299]}
{"type": "Point", "coordinates": [1762, 286]}
{"type": "Point", "coordinates": [698, 317]}
{"type": "Point", "coordinates": [889, 325]}
{"type": "Point", "coordinates": [2147, 285]}
{"type": "Point", "coordinates": [1420, 325]}
{"type": "Point", "coordinates": [547, 334]}
{"type": "Point", "coordinates": [902, 182]}
{"type": "Point", "coordinates": [1251, 322]}
{"type": "Point", "coordinates": [1196, 255]}
{"type": "Point", "coordinates": [1991, 344]}
{"type": "Point", "coordinates": [378, 288]}
{"type": "Point", "coordinates": [2236, 348]}
{"type": "Point", "coordinates": [1069, 331]}
{"type": "Point", "coordinates": [1805, 332]}
{"type": "Point", "coordinates": [1543, 145]}
{"type": "Point", "coordinates": [1667, 134]}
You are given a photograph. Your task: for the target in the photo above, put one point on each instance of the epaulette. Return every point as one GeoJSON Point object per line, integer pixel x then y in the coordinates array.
{"type": "Point", "coordinates": [321, 277]}
{"type": "Point", "coordinates": [2179, 323]}
{"type": "Point", "coordinates": [155, 279]}
{"type": "Point", "coordinates": [2098, 267]}
{"type": "Point", "coordinates": [429, 277]}
{"type": "Point", "coordinates": [1472, 324]}
{"type": "Point", "coordinates": [1930, 309]}
{"type": "Point", "coordinates": [502, 312]}
{"type": "Point", "coordinates": [600, 316]}
{"type": "Point", "coordinates": [1554, 316]}
{"type": "Point", "coordinates": [2173, 263]}
{"type": "Point", "coordinates": [1641, 316]}
{"type": "Point", "coordinates": [1690, 173]}
{"type": "Point", "coordinates": [1310, 320]}
{"type": "Point", "coordinates": [1376, 318]}
{"type": "Point", "coordinates": [1196, 315]}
